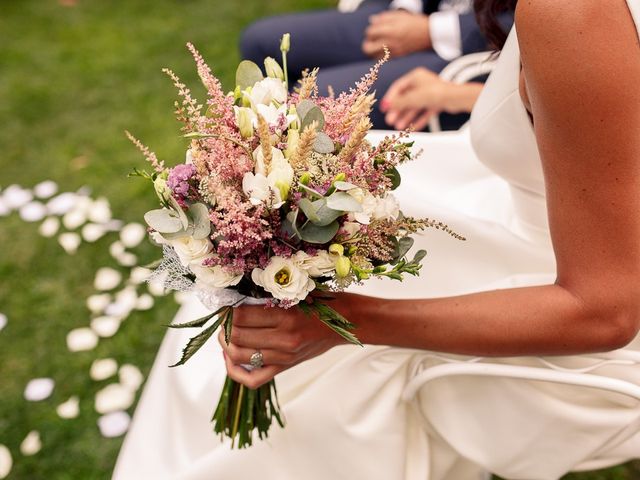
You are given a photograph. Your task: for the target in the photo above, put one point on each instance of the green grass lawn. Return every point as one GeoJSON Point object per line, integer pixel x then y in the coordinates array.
{"type": "Point", "coordinates": [72, 79]}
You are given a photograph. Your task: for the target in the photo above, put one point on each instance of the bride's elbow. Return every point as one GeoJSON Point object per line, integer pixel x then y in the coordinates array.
{"type": "Point", "coordinates": [617, 326]}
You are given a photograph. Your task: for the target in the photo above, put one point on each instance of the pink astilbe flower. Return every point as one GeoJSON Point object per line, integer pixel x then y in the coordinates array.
{"type": "Point", "coordinates": [157, 165]}
{"type": "Point", "coordinates": [188, 111]}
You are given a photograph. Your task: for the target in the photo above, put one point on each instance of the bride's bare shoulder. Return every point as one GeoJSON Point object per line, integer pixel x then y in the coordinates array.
{"type": "Point", "coordinates": [587, 24]}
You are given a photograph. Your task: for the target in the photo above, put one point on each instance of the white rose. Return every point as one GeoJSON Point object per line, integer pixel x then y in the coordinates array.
{"type": "Point", "coordinates": [267, 91]}
{"type": "Point", "coordinates": [369, 204]}
{"type": "Point", "coordinates": [190, 250]}
{"type": "Point", "coordinates": [318, 265]}
{"type": "Point", "coordinates": [283, 279]}
{"type": "Point", "coordinates": [214, 277]}
{"type": "Point", "coordinates": [387, 208]}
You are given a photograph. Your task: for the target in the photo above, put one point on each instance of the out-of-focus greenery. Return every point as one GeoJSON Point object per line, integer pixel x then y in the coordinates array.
{"type": "Point", "coordinates": [74, 74]}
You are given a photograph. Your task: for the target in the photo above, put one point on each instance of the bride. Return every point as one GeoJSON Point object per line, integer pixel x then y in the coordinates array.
{"type": "Point", "coordinates": [551, 267]}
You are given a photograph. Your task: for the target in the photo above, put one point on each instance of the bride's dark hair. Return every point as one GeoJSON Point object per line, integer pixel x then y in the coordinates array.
{"type": "Point", "coordinates": [487, 12]}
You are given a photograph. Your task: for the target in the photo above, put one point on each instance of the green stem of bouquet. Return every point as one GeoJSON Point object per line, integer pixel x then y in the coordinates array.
{"type": "Point", "coordinates": [236, 419]}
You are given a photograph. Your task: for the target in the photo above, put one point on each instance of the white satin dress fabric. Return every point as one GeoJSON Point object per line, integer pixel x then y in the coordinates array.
{"type": "Point", "coordinates": [345, 415]}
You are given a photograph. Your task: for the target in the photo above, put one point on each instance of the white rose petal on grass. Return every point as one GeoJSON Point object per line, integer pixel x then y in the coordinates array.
{"type": "Point", "coordinates": [114, 424]}
{"type": "Point", "coordinates": [69, 409]}
{"type": "Point", "coordinates": [116, 249]}
{"type": "Point", "coordinates": [31, 444]}
{"type": "Point", "coordinates": [139, 275]}
{"type": "Point", "coordinates": [62, 203]}
{"type": "Point", "coordinates": [125, 301]}
{"type": "Point", "coordinates": [15, 196]}
{"type": "Point", "coordinates": [114, 397]}
{"type": "Point", "coordinates": [73, 219]}
{"type": "Point", "coordinates": [105, 326]}
{"type": "Point", "coordinates": [100, 211]}
{"type": "Point", "coordinates": [6, 461]}
{"type": "Point", "coordinates": [3, 321]}
{"type": "Point", "coordinates": [132, 234]}
{"type": "Point", "coordinates": [92, 232]}
{"type": "Point", "coordinates": [107, 279]}
{"type": "Point", "coordinates": [39, 389]}
{"type": "Point", "coordinates": [145, 302]}
{"type": "Point", "coordinates": [130, 377]}
{"type": "Point", "coordinates": [127, 259]}
{"type": "Point", "coordinates": [97, 303]}
{"type": "Point", "coordinates": [33, 212]}
{"type": "Point", "coordinates": [70, 242]}
{"type": "Point", "coordinates": [49, 227]}
{"type": "Point", "coordinates": [81, 339]}
{"type": "Point", "coordinates": [46, 189]}
{"type": "Point", "coordinates": [156, 288]}
{"type": "Point", "coordinates": [103, 368]}
{"type": "Point", "coordinates": [284, 280]}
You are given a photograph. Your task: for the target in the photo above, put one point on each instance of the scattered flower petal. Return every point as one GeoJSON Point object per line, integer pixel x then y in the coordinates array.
{"type": "Point", "coordinates": [132, 234]}
{"type": "Point", "coordinates": [73, 219]}
{"type": "Point", "coordinates": [116, 249]}
{"type": "Point", "coordinates": [156, 288]}
{"type": "Point", "coordinates": [49, 227]}
{"type": "Point", "coordinates": [15, 196]}
{"type": "Point", "coordinates": [6, 461]}
{"type": "Point", "coordinates": [70, 242]}
{"type": "Point", "coordinates": [145, 302]}
{"type": "Point", "coordinates": [100, 211]}
{"type": "Point", "coordinates": [105, 326]}
{"type": "Point", "coordinates": [31, 444]}
{"type": "Point", "coordinates": [103, 368]}
{"type": "Point", "coordinates": [46, 189]}
{"type": "Point", "coordinates": [139, 275]}
{"type": "Point", "coordinates": [39, 389]}
{"type": "Point", "coordinates": [69, 409]}
{"type": "Point", "coordinates": [98, 303]}
{"type": "Point", "coordinates": [3, 320]}
{"type": "Point", "coordinates": [114, 397]}
{"type": "Point", "coordinates": [130, 377]}
{"type": "Point", "coordinates": [81, 339]}
{"type": "Point", "coordinates": [62, 203]}
{"type": "Point", "coordinates": [114, 424]}
{"type": "Point", "coordinates": [93, 231]}
{"type": "Point", "coordinates": [127, 259]}
{"type": "Point", "coordinates": [33, 212]}
{"type": "Point", "coordinates": [107, 279]}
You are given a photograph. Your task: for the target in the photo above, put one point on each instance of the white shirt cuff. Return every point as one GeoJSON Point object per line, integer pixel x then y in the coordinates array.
{"type": "Point", "coordinates": [413, 6]}
{"type": "Point", "coordinates": [444, 28]}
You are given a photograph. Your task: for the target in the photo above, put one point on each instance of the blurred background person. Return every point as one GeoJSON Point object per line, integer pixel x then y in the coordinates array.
{"type": "Point", "coordinates": [427, 34]}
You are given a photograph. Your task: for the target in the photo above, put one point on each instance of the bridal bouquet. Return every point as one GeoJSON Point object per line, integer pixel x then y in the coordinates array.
{"type": "Point", "coordinates": [280, 197]}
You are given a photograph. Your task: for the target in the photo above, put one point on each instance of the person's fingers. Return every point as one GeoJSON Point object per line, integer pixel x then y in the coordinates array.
{"type": "Point", "coordinates": [381, 17]}
{"type": "Point", "coordinates": [255, 316]}
{"type": "Point", "coordinates": [391, 116]}
{"type": "Point", "coordinates": [264, 338]}
{"type": "Point", "coordinates": [372, 48]}
{"type": "Point", "coordinates": [379, 31]}
{"type": "Point", "coordinates": [423, 119]}
{"type": "Point", "coordinates": [253, 379]}
{"type": "Point", "coordinates": [396, 89]}
{"type": "Point", "coordinates": [241, 355]}
{"type": "Point", "coordinates": [406, 118]}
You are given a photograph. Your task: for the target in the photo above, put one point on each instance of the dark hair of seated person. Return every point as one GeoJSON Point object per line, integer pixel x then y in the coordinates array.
{"type": "Point", "coordinates": [487, 12]}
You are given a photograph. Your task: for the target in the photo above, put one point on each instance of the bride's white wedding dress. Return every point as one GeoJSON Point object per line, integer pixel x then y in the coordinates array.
{"type": "Point", "coordinates": [345, 416]}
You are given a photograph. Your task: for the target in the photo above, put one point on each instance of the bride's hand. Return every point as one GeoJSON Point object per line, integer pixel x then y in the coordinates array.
{"type": "Point", "coordinates": [284, 337]}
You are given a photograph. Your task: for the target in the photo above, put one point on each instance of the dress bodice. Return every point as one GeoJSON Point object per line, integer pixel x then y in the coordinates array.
{"type": "Point", "coordinates": [503, 137]}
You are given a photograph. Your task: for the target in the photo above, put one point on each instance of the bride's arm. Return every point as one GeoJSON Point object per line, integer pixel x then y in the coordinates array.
{"type": "Point", "coordinates": [581, 64]}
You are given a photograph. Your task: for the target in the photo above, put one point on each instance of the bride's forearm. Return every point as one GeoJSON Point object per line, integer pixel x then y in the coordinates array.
{"type": "Point", "coordinates": [498, 323]}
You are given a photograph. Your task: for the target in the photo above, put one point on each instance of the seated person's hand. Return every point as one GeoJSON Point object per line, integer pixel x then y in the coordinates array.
{"type": "Point", "coordinates": [402, 32]}
{"type": "Point", "coordinates": [414, 98]}
{"type": "Point", "coordinates": [285, 338]}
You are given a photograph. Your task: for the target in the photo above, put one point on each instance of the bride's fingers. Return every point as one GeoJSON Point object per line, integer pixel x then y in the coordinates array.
{"type": "Point", "coordinates": [260, 339]}
{"type": "Point", "coordinates": [240, 355]}
{"type": "Point", "coordinates": [254, 378]}
{"type": "Point", "coordinates": [255, 316]}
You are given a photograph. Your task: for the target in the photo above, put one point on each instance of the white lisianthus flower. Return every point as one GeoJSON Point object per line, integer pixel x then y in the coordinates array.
{"type": "Point", "coordinates": [214, 277]}
{"type": "Point", "coordinates": [283, 279]}
{"type": "Point", "coordinates": [190, 250]}
{"type": "Point", "coordinates": [266, 91]}
{"type": "Point", "coordinates": [260, 190]}
{"type": "Point", "coordinates": [317, 265]}
{"type": "Point", "coordinates": [369, 204]}
{"type": "Point", "coordinates": [246, 120]}
{"type": "Point", "coordinates": [387, 208]}
{"type": "Point", "coordinates": [280, 174]}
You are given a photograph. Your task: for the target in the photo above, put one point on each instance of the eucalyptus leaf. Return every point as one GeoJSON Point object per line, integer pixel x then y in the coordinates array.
{"type": "Point", "coordinates": [344, 186]}
{"type": "Point", "coordinates": [394, 176]}
{"type": "Point", "coordinates": [178, 209]}
{"type": "Point", "coordinates": [303, 108]}
{"type": "Point", "coordinates": [163, 220]}
{"type": "Point", "coordinates": [420, 254]}
{"type": "Point", "coordinates": [309, 210]}
{"type": "Point", "coordinates": [344, 202]}
{"type": "Point", "coordinates": [292, 219]}
{"type": "Point", "coordinates": [323, 143]}
{"type": "Point", "coordinates": [182, 233]}
{"type": "Point", "coordinates": [310, 191]}
{"type": "Point", "coordinates": [313, 115]}
{"type": "Point", "coordinates": [402, 246]}
{"type": "Point", "coordinates": [317, 234]}
{"type": "Point", "coordinates": [248, 74]}
{"type": "Point", "coordinates": [325, 214]}
{"type": "Point", "coordinates": [199, 214]}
